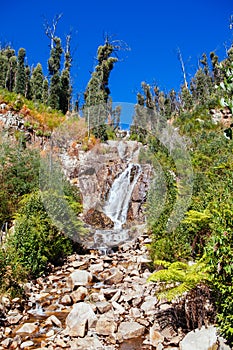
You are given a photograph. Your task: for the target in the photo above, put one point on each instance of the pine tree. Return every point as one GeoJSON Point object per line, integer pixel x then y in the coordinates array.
{"type": "Point", "coordinates": [37, 80]}
{"type": "Point", "coordinates": [20, 74]}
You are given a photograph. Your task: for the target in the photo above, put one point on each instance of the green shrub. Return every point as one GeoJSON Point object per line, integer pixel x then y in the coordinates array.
{"type": "Point", "coordinates": [36, 241]}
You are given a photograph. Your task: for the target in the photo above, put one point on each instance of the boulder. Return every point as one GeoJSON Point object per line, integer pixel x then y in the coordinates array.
{"type": "Point", "coordinates": [130, 330]}
{"type": "Point", "coordinates": [53, 321]}
{"type": "Point", "coordinates": [156, 337]}
{"type": "Point", "coordinates": [98, 219]}
{"type": "Point", "coordinates": [26, 344]}
{"type": "Point", "coordinates": [79, 319]}
{"type": "Point", "coordinates": [79, 294]}
{"type": "Point", "coordinates": [200, 339]}
{"type": "Point", "coordinates": [28, 328]}
{"type": "Point", "coordinates": [103, 306]}
{"type": "Point", "coordinates": [115, 278]}
{"type": "Point", "coordinates": [14, 319]}
{"type": "Point", "coordinates": [106, 325]}
{"type": "Point", "coordinates": [87, 343]}
{"type": "Point", "coordinates": [79, 278]}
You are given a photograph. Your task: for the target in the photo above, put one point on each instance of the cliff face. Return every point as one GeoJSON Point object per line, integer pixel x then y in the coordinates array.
{"type": "Point", "coordinates": [95, 171]}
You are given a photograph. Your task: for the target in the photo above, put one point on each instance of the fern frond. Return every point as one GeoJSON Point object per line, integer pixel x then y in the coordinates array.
{"type": "Point", "coordinates": [163, 263]}
{"type": "Point", "coordinates": [179, 278]}
{"type": "Point", "coordinates": [168, 275]}
{"type": "Point", "coordinates": [175, 292]}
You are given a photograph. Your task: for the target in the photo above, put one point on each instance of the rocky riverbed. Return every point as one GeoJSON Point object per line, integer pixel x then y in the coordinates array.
{"type": "Point", "coordinates": [97, 302]}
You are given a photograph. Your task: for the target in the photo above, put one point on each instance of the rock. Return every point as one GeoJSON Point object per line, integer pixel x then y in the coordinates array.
{"type": "Point", "coordinates": [14, 319]}
{"type": "Point", "coordinates": [6, 343]}
{"type": "Point", "coordinates": [81, 315]}
{"type": "Point", "coordinates": [115, 278]}
{"type": "Point", "coordinates": [53, 320]}
{"type": "Point", "coordinates": [110, 293]}
{"type": "Point", "coordinates": [103, 306]}
{"type": "Point", "coordinates": [66, 300]}
{"type": "Point", "coordinates": [79, 278]}
{"type": "Point", "coordinates": [28, 328]}
{"type": "Point", "coordinates": [106, 325]}
{"type": "Point", "coordinates": [222, 344]}
{"type": "Point", "coordinates": [98, 219]}
{"type": "Point", "coordinates": [61, 343]}
{"type": "Point", "coordinates": [120, 310]}
{"type": "Point", "coordinates": [130, 330]}
{"type": "Point", "coordinates": [26, 344]}
{"type": "Point", "coordinates": [79, 294]}
{"type": "Point", "coordinates": [203, 339]}
{"type": "Point", "coordinates": [95, 268]}
{"type": "Point", "coordinates": [149, 305]}
{"type": "Point", "coordinates": [135, 312]}
{"type": "Point", "coordinates": [50, 333]}
{"type": "Point", "coordinates": [156, 337]}
{"type": "Point", "coordinates": [8, 331]}
{"type": "Point", "coordinates": [87, 343]}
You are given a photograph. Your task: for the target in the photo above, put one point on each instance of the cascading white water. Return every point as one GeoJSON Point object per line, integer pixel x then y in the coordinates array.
{"type": "Point", "coordinates": [116, 208]}
{"type": "Point", "coordinates": [117, 205]}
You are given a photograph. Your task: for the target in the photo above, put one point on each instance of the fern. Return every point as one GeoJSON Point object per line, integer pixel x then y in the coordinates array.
{"type": "Point", "coordinates": [178, 277]}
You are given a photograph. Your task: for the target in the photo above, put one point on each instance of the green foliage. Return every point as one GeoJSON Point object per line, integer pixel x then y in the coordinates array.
{"type": "Point", "coordinates": [36, 240]}
{"type": "Point", "coordinates": [219, 259]}
{"type": "Point", "coordinates": [20, 74]}
{"type": "Point", "coordinates": [61, 200]}
{"type": "Point", "coordinates": [96, 96]}
{"type": "Point", "coordinates": [19, 171]}
{"type": "Point", "coordinates": [177, 278]}
{"type": "Point", "coordinates": [37, 79]}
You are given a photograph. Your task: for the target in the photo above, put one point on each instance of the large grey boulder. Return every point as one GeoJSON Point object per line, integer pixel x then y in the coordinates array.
{"type": "Point", "coordinates": [203, 339]}
{"type": "Point", "coordinates": [80, 319]}
{"type": "Point", "coordinates": [130, 330]}
{"type": "Point", "coordinates": [79, 278]}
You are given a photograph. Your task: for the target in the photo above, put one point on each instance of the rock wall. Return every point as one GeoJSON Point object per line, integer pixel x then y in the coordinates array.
{"type": "Point", "coordinates": [95, 171]}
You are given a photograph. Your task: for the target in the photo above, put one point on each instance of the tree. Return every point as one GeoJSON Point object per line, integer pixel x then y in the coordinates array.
{"type": "Point", "coordinates": [11, 73]}
{"type": "Point", "coordinates": [37, 80]}
{"type": "Point", "coordinates": [8, 63]}
{"type": "Point", "coordinates": [20, 74]}
{"type": "Point", "coordinates": [97, 91]}
{"type": "Point", "coordinates": [66, 89]}
{"type": "Point", "coordinates": [28, 91]}
{"type": "Point", "coordinates": [45, 91]}
{"type": "Point", "coordinates": [54, 64]}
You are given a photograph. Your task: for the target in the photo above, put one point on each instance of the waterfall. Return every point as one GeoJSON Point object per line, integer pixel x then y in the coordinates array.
{"type": "Point", "coordinates": [117, 205]}
{"type": "Point", "coordinates": [116, 208]}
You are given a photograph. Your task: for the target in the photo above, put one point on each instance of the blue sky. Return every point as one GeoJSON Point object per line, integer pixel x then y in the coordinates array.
{"type": "Point", "coordinates": [152, 29]}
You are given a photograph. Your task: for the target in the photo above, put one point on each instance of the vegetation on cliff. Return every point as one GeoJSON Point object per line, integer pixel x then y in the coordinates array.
{"type": "Point", "coordinates": [201, 112]}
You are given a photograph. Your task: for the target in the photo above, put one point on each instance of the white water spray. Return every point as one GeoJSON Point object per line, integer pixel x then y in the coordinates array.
{"type": "Point", "coordinates": [117, 205]}
{"type": "Point", "coordinates": [116, 208]}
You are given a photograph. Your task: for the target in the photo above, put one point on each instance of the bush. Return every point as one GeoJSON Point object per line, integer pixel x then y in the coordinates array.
{"type": "Point", "coordinates": [36, 241]}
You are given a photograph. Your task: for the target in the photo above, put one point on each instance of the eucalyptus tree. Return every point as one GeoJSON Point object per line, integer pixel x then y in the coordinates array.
{"type": "Point", "coordinates": [54, 64]}
{"type": "Point", "coordinates": [97, 90]}
{"type": "Point", "coordinates": [66, 89]}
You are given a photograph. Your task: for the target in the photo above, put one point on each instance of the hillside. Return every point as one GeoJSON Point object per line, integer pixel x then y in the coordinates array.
{"type": "Point", "coordinates": [184, 139]}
